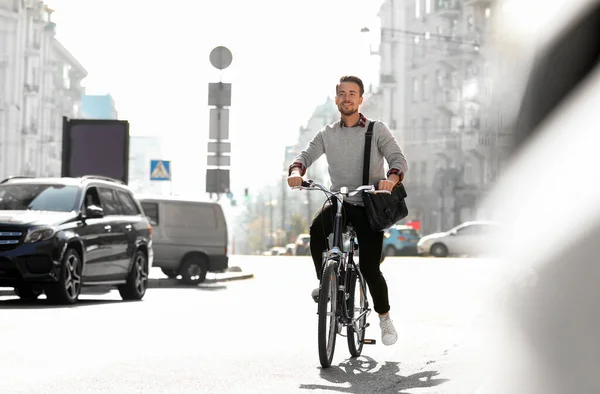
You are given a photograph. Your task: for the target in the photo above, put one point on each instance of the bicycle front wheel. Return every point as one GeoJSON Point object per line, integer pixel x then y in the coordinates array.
{"type": "Point", "coordinates": [357, 307]}
{"type": "Point", "coordinates": [327, 311]}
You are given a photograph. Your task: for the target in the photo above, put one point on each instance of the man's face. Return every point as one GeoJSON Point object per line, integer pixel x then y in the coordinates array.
{"type": "Point", "coordinates": [348, 98]}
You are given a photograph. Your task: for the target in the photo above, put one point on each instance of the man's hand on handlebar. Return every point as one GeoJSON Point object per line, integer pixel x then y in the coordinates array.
{"type": "Point", "coordinates": [384, 184]}
{"type": "Point", "coordinates": [295, 179]}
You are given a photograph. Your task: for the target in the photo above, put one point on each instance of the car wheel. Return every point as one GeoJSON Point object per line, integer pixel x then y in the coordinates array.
{"type": "Point", "coordinates": [439, 250]}
{"type": "Point", "coordinates": [68, 287]}
{"type": "Point", "coordinates": [390, 251]}
{"type": "Point", "coordinates": [137, 280]}
{"type": "Point", "coordinates": [27, 292]}
{"type": "Point", "coordinates": [193, 270]}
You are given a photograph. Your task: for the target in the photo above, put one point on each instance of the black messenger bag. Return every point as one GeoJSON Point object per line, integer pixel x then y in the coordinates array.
{"type": "Point", "coordinates": [383, 210]}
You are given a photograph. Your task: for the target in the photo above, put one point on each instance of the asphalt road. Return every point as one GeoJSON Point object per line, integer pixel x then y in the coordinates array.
{"type": "Point", "coordinates": [253, 335]}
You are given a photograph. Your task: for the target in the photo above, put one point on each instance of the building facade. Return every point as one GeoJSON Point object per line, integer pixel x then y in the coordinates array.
{"type": "Point", "coordinates": [40, 82]}
{"type": "Point", "coordinates": [453, 134]}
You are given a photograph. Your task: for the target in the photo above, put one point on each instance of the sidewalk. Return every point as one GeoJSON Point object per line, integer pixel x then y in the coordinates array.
{"type": "Point", "coordinates": [233, 273]}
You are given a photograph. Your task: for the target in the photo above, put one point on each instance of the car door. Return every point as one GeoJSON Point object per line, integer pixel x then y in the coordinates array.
{"type": "Point", "coordinates": [131, 219]}
{"type": "Point", "coordinates": [91, 234]}
{"type": "Point", "coordinates": [466, 239]}
{"type": "Point", "coordinates": [114, 236]}
{"type": "Point", "coordinates": [163, 255]}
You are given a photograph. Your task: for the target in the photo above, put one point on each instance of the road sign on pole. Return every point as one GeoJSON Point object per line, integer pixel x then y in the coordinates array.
{"type": "Point", "coordinates": [219, 95]}
{"type": "Point", "coordinates": [219, 124]}
{"type": "Point", "coordinates": [220, 57]}
{"type": "Point", "coordinates": [217, 181]}
{"type": "Point", "coordinates": [219, 147]}
{"type": "Point", "coordinates": [160, 170]}
{"type": "Point", "coordinates": [218, 161]}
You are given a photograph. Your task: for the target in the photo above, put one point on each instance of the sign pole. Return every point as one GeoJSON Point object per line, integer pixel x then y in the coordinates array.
{"type": "Point", "coordinates": [219, 96]}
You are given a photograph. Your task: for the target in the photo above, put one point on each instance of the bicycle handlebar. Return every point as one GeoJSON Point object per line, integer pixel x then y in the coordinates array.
{"type": "Point", "coordinates": [310, 185]}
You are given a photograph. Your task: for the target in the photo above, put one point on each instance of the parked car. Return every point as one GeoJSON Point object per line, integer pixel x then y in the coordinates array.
{"type": "Point", "coordinates": [303, 245]}
{"type": "Point", "coordinates": [59, 234]}
{"type": "Point", "coordinates": [189, 237]}
{"type": "Point", "coordinates": [465, 239]}
{"type": "Point", "coordinates": [400, 240]}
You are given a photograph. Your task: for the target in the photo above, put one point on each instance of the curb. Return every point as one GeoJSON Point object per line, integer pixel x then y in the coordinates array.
{"type": "Point", "coordinates": [158, 283]}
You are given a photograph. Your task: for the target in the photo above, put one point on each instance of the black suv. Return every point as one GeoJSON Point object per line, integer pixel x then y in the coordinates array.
{"type": "Point", "coordinates": [59, 234]}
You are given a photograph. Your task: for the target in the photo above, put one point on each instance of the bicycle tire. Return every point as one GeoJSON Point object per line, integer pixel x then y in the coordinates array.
{"type": "Point", "coordinates": [327, 293]}
{"type": "Point", "coordinates": [355, 340]}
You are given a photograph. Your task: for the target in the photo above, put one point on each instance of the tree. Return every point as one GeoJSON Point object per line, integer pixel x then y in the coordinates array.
{"type": "Point", "coordinates": [254, 239]}
{"type": "Point", "coordinates": [298, 225]}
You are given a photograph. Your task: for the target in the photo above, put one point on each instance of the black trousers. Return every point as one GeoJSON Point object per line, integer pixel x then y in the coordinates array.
{"type": "Point", "coordinates": [369, 245]}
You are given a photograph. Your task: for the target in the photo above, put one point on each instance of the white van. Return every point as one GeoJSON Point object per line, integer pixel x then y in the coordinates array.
{"type": "Point", "coordinates": [189, 237]}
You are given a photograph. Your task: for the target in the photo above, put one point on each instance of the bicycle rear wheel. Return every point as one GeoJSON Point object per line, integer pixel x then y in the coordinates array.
{"type": "Point", "coordinates": [357, 305]}
{"type": "Point", "coordinates": [327, 309]}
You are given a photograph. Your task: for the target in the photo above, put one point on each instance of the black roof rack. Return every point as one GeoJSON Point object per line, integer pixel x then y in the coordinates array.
{"type": "Point", "coordinates": [16, 177]}
{"type": "Point", "coordinates": [103, 178]}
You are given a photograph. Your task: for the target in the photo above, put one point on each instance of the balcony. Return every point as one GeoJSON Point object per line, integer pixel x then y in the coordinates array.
{"type": "Point", "coordinates": [477, 2]}
{"type": "Point", "coordinates": [477, 142]}
{"type": "Point", "coordinates": [31, 88]}
{"type": "Point", "coordinates": [32, 129]}
{"type": "Point", "coordinates": [451, 52]}
{"type": "Point", "coordinates": [387, 80]}
{"type": "Point", "coordinates": [447, 99]}
{"type": "Point", "coordinates": [447, 8]}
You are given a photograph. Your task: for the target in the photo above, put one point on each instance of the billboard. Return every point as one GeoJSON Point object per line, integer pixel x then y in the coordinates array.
{"type": "Point", "coordinates": [96, 147]}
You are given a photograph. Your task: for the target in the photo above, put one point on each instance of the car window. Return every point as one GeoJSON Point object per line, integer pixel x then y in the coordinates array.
{"type": "Point", "coordinates": [471, 229]}
{"type": "Point", "coordinates": [128, 205]}
{"type": "Point", "coordinates": [110, 204]}
{"type": "Point", "coordinates": [91, 198]}
{"type": "Point", "coordinates": [409, 233]}
{"type": "Point", "coordinates": [38, 197]}
{"type": "Point", "coordinates": [151, 211]}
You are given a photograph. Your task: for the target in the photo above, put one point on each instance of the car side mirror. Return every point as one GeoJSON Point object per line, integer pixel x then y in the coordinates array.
{"type": "Point", "coordinates": [94, 212]}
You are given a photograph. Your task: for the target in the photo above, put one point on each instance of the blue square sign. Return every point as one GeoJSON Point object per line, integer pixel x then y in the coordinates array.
{"type": "Point", "coordinates": [160, 170]}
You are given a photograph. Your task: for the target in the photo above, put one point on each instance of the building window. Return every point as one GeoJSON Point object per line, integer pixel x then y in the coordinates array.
{"type": "Point", "coordinates": [425, 130]}
{"type": "Point", "coordinates": [427, 6]}
{"type": "Point", "coordinates": [65, 76]}
{"type": "Point", "coordinates": [488, 13]}
{"type": "Point", "coordinates": [415, 92]}
{"type": "Point", "coordinates": [417, 9]}
{"type": "Point", "coordinates": [425, 88]}
{"type": "Point", "coordinates": [413, 132]}
{"type": "Point", "coordinates": [439, 78]}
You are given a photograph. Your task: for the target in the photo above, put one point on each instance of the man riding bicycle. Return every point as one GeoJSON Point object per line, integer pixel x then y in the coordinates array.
{"type": "Point", "coordinates": [343, 144]}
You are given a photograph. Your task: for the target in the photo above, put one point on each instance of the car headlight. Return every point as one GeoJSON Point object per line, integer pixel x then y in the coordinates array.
{"type": "Point", "coordinates": [39, 234]}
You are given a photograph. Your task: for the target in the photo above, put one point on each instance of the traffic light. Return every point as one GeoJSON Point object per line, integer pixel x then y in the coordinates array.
{"type": "Point", "coordinates": [246, 196]}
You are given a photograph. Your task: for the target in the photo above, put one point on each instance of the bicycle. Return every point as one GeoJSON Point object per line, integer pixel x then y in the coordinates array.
{"type": "Point", "coordinates": [338, 283]}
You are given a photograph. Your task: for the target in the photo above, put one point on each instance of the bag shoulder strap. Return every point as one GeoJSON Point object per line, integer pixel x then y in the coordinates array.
{"type": "Point", "coordinates": [367, 156]}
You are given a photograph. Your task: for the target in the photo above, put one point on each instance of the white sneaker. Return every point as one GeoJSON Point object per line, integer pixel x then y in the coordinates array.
{"type": "Point", "coordinates": [389, 336]}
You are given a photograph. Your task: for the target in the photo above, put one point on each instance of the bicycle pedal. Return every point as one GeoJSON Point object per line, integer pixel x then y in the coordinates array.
{"type": "Point", "coordinates": [369, 341]}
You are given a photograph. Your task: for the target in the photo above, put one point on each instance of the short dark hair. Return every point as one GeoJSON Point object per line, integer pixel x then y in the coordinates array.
{"type": "Point", "coordinates": [351, 78]}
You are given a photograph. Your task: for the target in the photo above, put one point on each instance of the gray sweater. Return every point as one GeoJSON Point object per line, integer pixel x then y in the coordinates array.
{"type": "Point", "coordinates": [344, 149]}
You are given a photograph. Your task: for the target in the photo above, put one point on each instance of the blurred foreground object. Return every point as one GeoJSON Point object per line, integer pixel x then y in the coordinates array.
{"type": "Point", "coordinates": [546, 311]}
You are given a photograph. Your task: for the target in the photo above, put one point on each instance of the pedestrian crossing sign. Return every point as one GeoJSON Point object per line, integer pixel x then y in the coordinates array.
{"type": "Point", "coordinates": [160, 170]}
